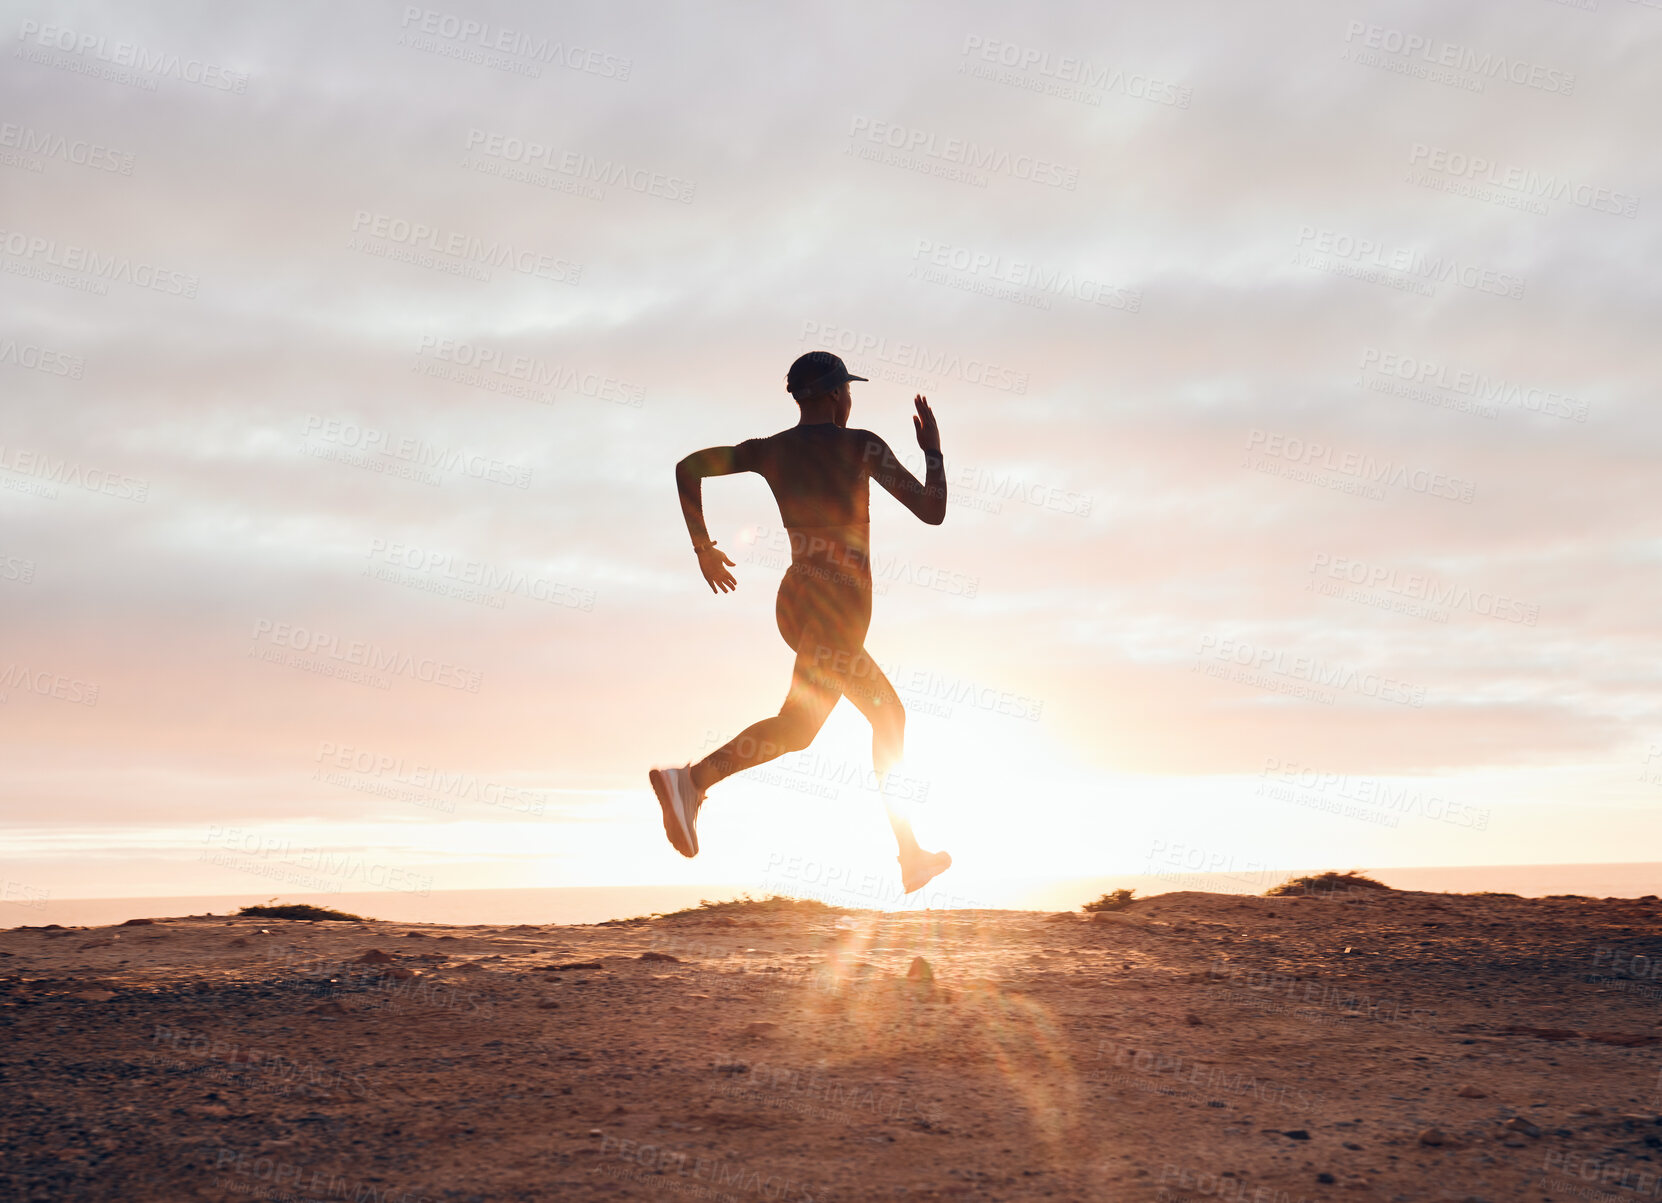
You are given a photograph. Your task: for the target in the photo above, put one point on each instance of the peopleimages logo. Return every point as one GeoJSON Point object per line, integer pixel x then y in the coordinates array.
{"type": "Point", "coordinates": [37, 465]}
{"type": "Point", "coordinates": [1018, 273]}
{"type": "Point", "coordinates": [417, 453]}
{"type": "Point", "coordinates": [47, 684]}
{"type": "Point", "coordinates": [1073, 78]}
{"type": "Point", "coordinates": [917, 362]}
{"type": "Point", "coordinates": [121, 269]}
{"type": "Point", "coordinates": [825, 559]}
{"type": "Point", "coordinates": [908, 140]}
{"type": "Point", "coordinates": [522, 376]}
{"type": "Point", "coordinates": [17, 568]}
{"type": "Point", "coordinates": [1393, 800]}
{"type": "Point", "coordinates": [1419, 587]}
{"type": "Point", "coordinates": [665, 1168]}
{"type": "Point", "coordinates": [1210, 1078]}
{"type": "Point", "coordinates": [359, 653]}
{"type": "Point", "coordinates": [1477, 169]}
{"type": "Point", "coordinates": [1313, 670]}
{"type": "Point", "coordinates": [1441, 269]}
{"type": "Point", "coordinates": [987, 489]}
{"type": "Point", "coordinates": [1434, 52]}
{"type": "Point", "coordinates": [1469, 383]}
{"type": "Point", "coordinates": [310, 866]}
{"type": "Point", "coordinates": [393, 772]}
{"type": "Point", "coordinates": [29, 141]}
{"type": "Point", "coordinates": [1359, 465]}
{"type": "Point", "coordinates": [586, 168]}
{"type": "Point", "coordinates": [415, 236]}
{"type": "Point", "coordinates": [490, 577]}
{"type": "Point", "coordinates": [40, 358]}
{"type": "Point", "coordinates": [97, 47]}
{"type": "Point", "coordinates": [481, 35]}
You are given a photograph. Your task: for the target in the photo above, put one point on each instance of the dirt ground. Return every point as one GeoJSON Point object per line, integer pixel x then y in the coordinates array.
{"type": "Point", "coordinates": [1374, 1045]}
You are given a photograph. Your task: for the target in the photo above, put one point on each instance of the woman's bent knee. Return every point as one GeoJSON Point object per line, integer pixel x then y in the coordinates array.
{"type": "Point", "coordinates": [796, 730]}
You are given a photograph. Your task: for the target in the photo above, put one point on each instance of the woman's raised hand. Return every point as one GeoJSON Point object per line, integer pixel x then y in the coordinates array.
{"type": "Point", "coordinates": [929, 436]}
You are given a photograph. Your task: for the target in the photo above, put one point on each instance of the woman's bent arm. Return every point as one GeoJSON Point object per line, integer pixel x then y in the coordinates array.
{"type": "Point", "coordinates": [925, 498]}
{"type": "Point", "coordinates": [689, 475]}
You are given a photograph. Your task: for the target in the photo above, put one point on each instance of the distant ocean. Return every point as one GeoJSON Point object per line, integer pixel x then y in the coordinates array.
{"type": "Point", "coordinates": [595, 904]}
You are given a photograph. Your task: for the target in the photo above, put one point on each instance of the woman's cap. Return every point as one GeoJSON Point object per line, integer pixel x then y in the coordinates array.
{"type": "Point", "coordinates": [817, 370]}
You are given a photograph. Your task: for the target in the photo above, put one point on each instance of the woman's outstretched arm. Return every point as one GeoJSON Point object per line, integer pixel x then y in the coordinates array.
{"type": "Point", "coordinates": [689, 476]}
{"type": "Point", "coordinates": [926, 498]}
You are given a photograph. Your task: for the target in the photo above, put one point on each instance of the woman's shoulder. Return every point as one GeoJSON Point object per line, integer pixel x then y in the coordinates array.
{"type": "Point", "coordinates": [868, 445]}
{"type": "Point", "coordinates": [762, 442]}
{"type": "Point", "coordinates": [861, 437]}
{"type": "Point", "coordinates": [824, 432]}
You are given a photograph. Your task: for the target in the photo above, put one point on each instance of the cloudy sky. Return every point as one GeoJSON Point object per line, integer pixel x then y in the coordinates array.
{"type": "Point", "coordinates": [1291, 364]}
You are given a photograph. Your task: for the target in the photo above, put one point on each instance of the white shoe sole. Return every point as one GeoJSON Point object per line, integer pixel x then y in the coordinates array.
{"type": "Point", "coordinates": [680, 806]}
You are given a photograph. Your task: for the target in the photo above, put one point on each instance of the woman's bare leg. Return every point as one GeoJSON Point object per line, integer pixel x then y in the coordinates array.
{"type": "Point", "coordinates": [873, 696]}
{"type": "Point", "coordinates": [813, 695]}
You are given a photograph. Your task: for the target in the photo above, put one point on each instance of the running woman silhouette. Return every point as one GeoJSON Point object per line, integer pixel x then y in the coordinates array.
{"type": "Point", "coordinates": [819, 471]}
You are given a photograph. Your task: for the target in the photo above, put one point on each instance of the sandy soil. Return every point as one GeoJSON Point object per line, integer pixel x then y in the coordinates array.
{"type": "Point", "coordinates": [1390, 1046]}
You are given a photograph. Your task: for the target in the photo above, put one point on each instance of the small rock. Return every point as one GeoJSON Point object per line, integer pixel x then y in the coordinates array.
{"type": "Point", "coordinates": [1326, 1179]}
{"type": "Point", "coordinates": [398, 974]}
{"type": "Point", "coordinates": [578, 965]}
{"type": "Point", "coordinates": [331, 1007]}
{"type": "Point", "coordinates": [1585, 1109]}
{"type": "Point", "coordinates": [373, 956]}
{"type": "Point", "coordinates": [1431, 1136]}
{"type": "Point", "coordinates": [1296, 1134]}
{"type": "Point", "coordinates": [659, 956]}
{"type": "Point", "coordinates": [920, 971]}
{"type": "Point", "coordinates": [1471, 1092]}
{"type": "Point", "coordinates": [138, 923]}
{"type": "Point", "coordinates": [1519, 1124]}
{"type": "Point", "coordinates": [1193, 1020]}
{"type": "Point", "coordinates": [595, 1132]}
{"type": "Point", "coordinates": [240, 942]}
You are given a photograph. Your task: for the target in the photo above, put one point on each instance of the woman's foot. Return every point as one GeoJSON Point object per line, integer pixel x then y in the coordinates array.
{"type": "Point", "coordinates": [921, 868]}
{"type": "Point", "coordinates": [679, 799]}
